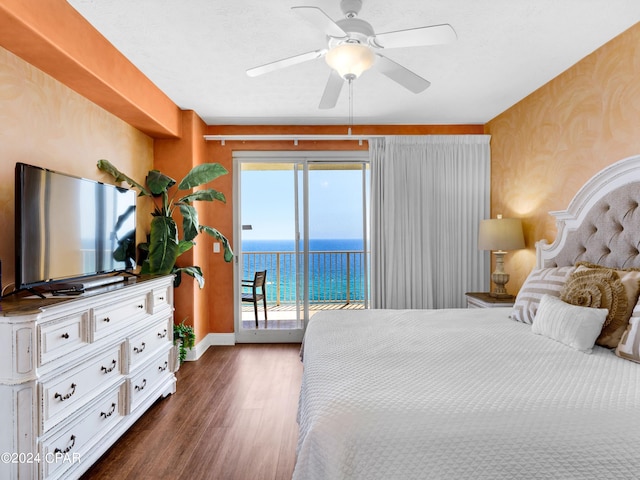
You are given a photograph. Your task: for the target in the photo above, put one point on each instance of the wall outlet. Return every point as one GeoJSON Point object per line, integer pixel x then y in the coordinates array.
{"type": "Point", "coordinates": [216, 247]}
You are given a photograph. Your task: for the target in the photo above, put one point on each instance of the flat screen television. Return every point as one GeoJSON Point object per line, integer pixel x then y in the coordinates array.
{"type": "Point", "coordinates": [68, 228]}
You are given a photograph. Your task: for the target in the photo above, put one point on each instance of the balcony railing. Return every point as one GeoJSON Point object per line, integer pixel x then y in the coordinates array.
{"type": "Point", "coordinates": [334, 276]}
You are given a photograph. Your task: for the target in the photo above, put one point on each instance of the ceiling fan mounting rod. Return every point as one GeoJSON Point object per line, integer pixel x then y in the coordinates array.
{"type": "Point", "coordinates": [357, 30]}
{"type": "Point", "coordinates": [351, 8]}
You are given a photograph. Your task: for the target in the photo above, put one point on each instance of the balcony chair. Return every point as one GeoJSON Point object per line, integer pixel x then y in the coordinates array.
{"type": "Point", "coordinates": [254, 296]}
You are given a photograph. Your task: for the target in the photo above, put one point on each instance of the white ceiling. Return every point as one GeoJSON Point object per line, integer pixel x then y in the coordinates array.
{"type": "Point", "coordinates": [197, 52]}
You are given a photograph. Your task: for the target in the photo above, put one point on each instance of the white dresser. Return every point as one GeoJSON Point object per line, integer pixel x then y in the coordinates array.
{"type": "Point", "coordinates": [76, 373]}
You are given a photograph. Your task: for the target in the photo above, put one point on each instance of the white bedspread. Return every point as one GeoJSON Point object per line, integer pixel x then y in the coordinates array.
{"type": "Point", "coordinates": [460, 394]}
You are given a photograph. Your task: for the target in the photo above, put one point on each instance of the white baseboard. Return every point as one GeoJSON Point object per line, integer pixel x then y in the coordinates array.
{"type": "Point", "coordinates": [210, 340]}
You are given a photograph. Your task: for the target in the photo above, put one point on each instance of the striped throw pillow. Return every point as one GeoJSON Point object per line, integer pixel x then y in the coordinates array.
{"type": "Point", "coordinates": [629, 346]}
{"type": "Point", "coordinates": [542, 281]}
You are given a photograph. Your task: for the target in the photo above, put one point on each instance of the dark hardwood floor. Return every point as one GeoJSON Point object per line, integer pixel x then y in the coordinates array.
{"type": "Point", "coordinates": [233, 416]}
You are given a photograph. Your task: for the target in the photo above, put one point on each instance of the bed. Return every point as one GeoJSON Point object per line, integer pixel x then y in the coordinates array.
{"type": "Point", "coordinates": [549, 389]}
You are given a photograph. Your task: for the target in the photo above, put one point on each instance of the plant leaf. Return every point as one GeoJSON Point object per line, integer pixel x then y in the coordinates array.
{"type": "Point", "coordinates": [207, 195]}
{"type": "Point", "coordinates": [126, 249]}
{"type": "Point", "coordinates": [185, 246]}
{"type": "Point", "coordinates": [158, 182]}
{"type": "Point", "coordinates": [167, 209]}
{"type": "Point", "coordinates": [163, 245]}
{"type": "Point", "coordinates": [195, 272]}
{"type": "Point", "coordinates": [228, 253]}
{"type": "Point", "coordinates": [122, 219]}
{"type": "Point", "coordinates": [146, 268]}
{"type": "Point", "coordinates": [185, 333]}
{"type": "Point", "coordinates": [201, 174]}
{"type": "Point", "coordinates": [107, 167]}
{"type": "Point", "coordinates": [177, 279]}
{"type": "Point", "coordinates": [189, 222]}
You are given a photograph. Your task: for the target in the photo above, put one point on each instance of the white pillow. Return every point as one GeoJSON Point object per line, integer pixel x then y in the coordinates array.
{"type": "Point", "coordinates": [575, 326]}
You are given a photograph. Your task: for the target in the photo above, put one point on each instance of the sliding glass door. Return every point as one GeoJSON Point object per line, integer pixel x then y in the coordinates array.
{"type": "Point", "coordinates": [302, 220]}
{"type": "Point", "coordinates": [337, 253]}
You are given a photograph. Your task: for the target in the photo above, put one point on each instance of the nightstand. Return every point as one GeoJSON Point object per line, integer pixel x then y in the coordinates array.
{"type": "Point", "coordinates": [484, 300]}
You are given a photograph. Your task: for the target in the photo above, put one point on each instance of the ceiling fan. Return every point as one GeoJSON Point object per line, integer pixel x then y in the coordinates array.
{"type": "Point", "coordinates": [353, 47]}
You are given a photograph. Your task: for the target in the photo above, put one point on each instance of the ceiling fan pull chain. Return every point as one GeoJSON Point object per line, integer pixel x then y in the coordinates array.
{"type": "Point", "coordinates": [350, 104]}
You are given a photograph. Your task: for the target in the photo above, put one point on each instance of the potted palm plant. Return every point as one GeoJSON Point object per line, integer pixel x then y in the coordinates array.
{"type": "Point", "coordinates": [163, 247]}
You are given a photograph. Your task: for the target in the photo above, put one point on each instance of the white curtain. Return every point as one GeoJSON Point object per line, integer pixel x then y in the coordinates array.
{"type": "Point", "coordinates": [428, 195]}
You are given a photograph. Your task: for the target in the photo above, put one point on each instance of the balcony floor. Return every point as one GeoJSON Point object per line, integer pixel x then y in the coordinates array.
{"type": "Point", "coordinates": [282, 317]}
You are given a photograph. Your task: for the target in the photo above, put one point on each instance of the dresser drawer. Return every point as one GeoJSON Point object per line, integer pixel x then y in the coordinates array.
{"type": "Point", "coordinates": [162, 298]}
{"type": "Point", "coordinates": [63, 336]}
{"type": "Point", "coordinates": [147, 343]}
{"type": "Point", "coordinates": [143, 384]}
{"type": "Point", "coordinates": [66, 446]}
{"type": "Point", "coordinates": [68, 391]}
{"type": "Point", "coordinates": [110, 318]}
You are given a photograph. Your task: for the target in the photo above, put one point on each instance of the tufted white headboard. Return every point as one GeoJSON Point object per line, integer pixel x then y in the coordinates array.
{"type": "Point", "coordinates": [601, 224]}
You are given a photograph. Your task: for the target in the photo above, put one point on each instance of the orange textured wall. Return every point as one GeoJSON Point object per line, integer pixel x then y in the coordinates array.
{"type": "Point", "coordinates": [44, 123]}
{"type": "Point", "coordinates": [175, 158]}
{"type": "Point", "coordinates": [548, 145]}
{"type": "Point", "coordinates": [200, 307]}
{"type": "Point", "coordinates": [53, 36]}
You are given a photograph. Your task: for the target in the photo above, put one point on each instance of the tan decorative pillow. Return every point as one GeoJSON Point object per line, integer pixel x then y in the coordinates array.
{"type": "Point", "coordinates": [602, 287]}
{"type": "Point", "coordinates": [630, 278]}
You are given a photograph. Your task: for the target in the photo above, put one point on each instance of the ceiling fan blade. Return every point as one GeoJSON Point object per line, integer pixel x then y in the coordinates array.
{"type": "Point", "coordinates": [286, 62]}
{"type": "Point", "coordinates": [417, 37]}
{"type": "Point", "coordinates": [401, 75]}
{"type": "Point", "coordinates": [331, 91]}
{"type": "Point", "coordinates": [320, 20]}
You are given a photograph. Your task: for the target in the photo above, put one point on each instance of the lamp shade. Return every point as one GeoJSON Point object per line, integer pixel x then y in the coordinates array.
{"type": "Point", "coordinates": [350, 59]}
{"type": "Point", "coordinates": [500, 234]}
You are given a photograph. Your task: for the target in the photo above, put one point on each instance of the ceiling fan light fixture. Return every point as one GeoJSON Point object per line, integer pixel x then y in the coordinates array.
{"type": "Point", "coordinates": [350, 59]}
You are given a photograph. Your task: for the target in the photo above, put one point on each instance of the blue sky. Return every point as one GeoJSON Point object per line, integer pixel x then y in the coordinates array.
{"type": "Point", "coordinates": [335, 204]}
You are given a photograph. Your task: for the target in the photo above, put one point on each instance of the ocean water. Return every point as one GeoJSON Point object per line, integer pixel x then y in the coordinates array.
{"type": "Point", "coordinates": [315, 245]}
{"type": "Point", "coordinates": [336, 269]}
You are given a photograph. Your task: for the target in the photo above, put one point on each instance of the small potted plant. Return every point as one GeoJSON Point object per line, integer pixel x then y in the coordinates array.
{"type": "Point", "coordinates": [184, 338]}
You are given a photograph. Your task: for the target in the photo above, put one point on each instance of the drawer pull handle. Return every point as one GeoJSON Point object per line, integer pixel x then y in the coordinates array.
{"type": "Point", "coordinates": [65, 335]}
{"type": "Point", "coordinates": [68, 395]}
{"type": "Point", "coordinates": [68, 449]}
{"type": "Point", "coordinates": [161, 299]}
{"type": "Point", "coordinates": [141, 306]}
{"type": "Point", "coordinates": [106, 319]}
{"type": "Point", "coordinates": [141, 349]}
{"type": "Point", "coordinates": [163, 334]}
{"type": "Point", "coordinates": [139, 388]}
{"type": "Point", "coordinates": [109, 369]}
{"type": "Point", "coordinates": [110, 412]}
{"type": "Point", "coordinates": [161, 368]}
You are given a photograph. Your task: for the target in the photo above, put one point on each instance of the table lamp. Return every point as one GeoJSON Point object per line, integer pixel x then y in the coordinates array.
{"type": "Point", "coordinates": [500, 235]}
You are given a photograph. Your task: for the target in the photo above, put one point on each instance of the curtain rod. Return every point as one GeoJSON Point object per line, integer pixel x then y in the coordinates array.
{"type": "Point", "coordinates": [289, 137]}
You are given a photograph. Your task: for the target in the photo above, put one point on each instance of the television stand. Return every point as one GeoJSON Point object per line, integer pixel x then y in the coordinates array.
{"type": "Point", "coordinates": [77, 373]}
